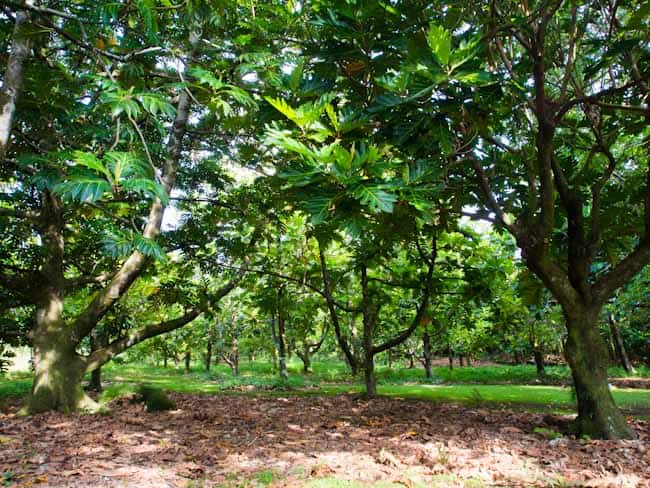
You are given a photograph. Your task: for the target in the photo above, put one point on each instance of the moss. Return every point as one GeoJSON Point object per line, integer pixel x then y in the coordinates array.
{"type": "Point", "coordinates": [155, 400]}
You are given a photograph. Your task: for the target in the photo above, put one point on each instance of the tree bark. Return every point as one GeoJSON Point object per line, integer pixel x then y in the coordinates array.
{"type": "Point", "coordinates": [234, 356]}
{"type": "Point", "coordinates": [586, 352]}
{"type": "Point", "coordinates": [369, 320]}
{"type": "Point", "coordinates": [334, 316]}
{"type": "Point", "coordinates": [539, 363]}
{"type": "Point", "coordinates": [619, 346]}
{"type": "Point", "coordinates": [538, 355]}
{"type": "Point", "coordinates": [208, 356]}
{"type": "Point", "coordinates": [282, 347]}
{"type": "Point", "coordinates": [12, 80]}
{"type": "Point", "coordinates": [58, 369]}
{"type": "Point", "coordinates": [96, 380]}
{"type": "Point", "coordinates": [428, 355]}
{"type": "Point", "coordinates": [188, 360]}
{"type": "Point", "coordinates": [305, 356]}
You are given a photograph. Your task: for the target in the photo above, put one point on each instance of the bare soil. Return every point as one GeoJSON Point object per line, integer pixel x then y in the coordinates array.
{"type": "Point", "coordinates": [294, 441]}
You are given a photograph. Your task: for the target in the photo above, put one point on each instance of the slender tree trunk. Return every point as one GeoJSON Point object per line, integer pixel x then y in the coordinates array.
{"type": "Point", "coordinates": [305, 357]}
{"type": "Point", "coordinates": [428, 355]}
{"type": "Point", "coordinates": [281, 338]}
{"type": "Point", "coordinates": [411, 360]}
{"type": "Point", "coordinates": [450, 355]}
{"type": "Point", "coordinates": [96, 374]}
{"type": "Point", "coordinates": [165, 360]}
{"type": "Point", "coordinates": [234, 356]}
{"type": "Point", "coordinates": [537, 351]}
{"type": "Point", "coordinates": [96, 380]}
{"type": "Point", "coordinates": [188, 360]}
{"type": "Point", "coordinates": [539, 363]}
{"type": "Point", "coordinates": [598, 415]}
{"type": "Point", "coordinates": [368, 336]}
{"type": "Point", "coordinates": [460, 361]}
{"type": "Point", "coordinates": [619, 346]}
{"type": "Point", "coordinates": [331, 307]}
{"type": "Point", "coordinates": [208, 356]}
{"type": "Point", "coordinates": [12, 80]}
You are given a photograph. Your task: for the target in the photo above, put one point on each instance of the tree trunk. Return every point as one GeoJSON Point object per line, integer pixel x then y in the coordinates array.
{"type": "Point", "coordinates": [369, 370]}
{"type": "Point", "coordinates": [281, 339]}
{"type": "Point", "coordinates": [188, 360]}
{"type": "Point", "coordinates": [411, 360]}
{"type": "Point", "coordinates": [58, 375]}
{"type": "Point", "coordinates": [539, 363]}
{"type": "Point", "coordinates": [598, 415]}
{"type": "Point", "coordinates": [234, 356]}
{"type": "Point", "coordinates": [537, 351]}
{"type": "Point", "coordinates": [450, 355]}
{"type": "Point", "coordinates": [305, 356]}
{"type": "Point", "coordinates": [428, 355]}
{"type": "Point", "coordinates": [58, 369]}
{"type": "Point", "coordinates": [350, 357]}
{"type": "Point", "coordinates": [208, 356]}
{"type": "Point", "coordinates": [13, 79]}
{"type": "Point", "coordinates": [619, 346]}
{"type": "Point", "coordinates": [96, 374]}
{"type": "Point", "coordinates": [96, 380]}
{"type": "Point", "coordinates": [165, 360]}
{"type": "Point", "coordinates": [460, 361]}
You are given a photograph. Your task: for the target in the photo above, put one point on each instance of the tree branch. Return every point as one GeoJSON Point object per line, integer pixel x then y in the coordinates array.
{"type": "Point", "coordinates": [134, 264]}
{"type": "Point", "coordinates": [105, 354]}
{"type": "Point", "coordinates": [421, 309]}
{"type": "Point", "coordinates": [20, 214]}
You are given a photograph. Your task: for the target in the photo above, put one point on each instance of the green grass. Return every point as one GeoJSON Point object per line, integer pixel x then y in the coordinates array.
{"type": "Point", "coordinates": [472, 383]}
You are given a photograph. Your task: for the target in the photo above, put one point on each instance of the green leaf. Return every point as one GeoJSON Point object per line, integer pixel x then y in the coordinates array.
{"type": "Point", "coordinates": [90, 161]}
{"type": "Point", "coordinates": [118, 244]}
{"type": "Point", "coordinates": [146, 187]}
{"type": "Point", "coordinates": [83, 188]}
{"type": "Point", "coordinates": [284, 108]}
{"type": "Point", "coordinates": [318, 208]}
{"type": "Point", "coordinates": [283, 140]}
{"type": "Point", "coordinates": [439, 40]}
{"type": "Point", "coordinates": [475, 78]}
{"type": "Point", "coordinates": [375, 198]}
{"type": "Point", "coordinates": [332, 116]}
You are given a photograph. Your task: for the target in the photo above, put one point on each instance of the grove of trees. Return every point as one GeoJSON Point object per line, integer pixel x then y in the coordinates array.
{"type": "Point", "coordinates": [367, 178]}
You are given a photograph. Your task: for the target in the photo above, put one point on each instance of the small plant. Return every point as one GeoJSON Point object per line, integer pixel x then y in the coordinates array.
{"type": "Point", "coordinates": [442, 456]}
{"type": "Point", "coordinates": [154, 399]}
{"type": "Point", "coordinates": [264, 478]}
{"type": "Point", "coordinates": [7, 478]}
{"type": "Point", "coordinates": [476, 398]}
{"type": "Point", "coordinates": [549, 434]}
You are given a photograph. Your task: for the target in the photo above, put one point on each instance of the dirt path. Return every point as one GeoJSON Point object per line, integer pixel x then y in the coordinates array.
{"type": "Point", "coordinates": [245, 441]}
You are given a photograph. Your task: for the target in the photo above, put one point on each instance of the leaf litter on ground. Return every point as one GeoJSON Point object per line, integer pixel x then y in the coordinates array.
{"type": "Point", "coordinates": [292, 441]}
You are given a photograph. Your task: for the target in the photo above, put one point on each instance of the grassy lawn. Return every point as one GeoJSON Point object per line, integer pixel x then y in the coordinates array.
{"type": "Point", "coordinates": [331, 378]}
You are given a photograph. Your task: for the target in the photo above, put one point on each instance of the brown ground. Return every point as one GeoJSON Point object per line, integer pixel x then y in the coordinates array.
{"type": "Point", "coordinates": [294, 441]}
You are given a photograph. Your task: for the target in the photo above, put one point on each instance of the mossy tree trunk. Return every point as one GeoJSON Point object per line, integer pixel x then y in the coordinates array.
{"type": "Point", "coordinates": [586, 353]}
{"type": "Point", "coordinates": [58, 369]}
